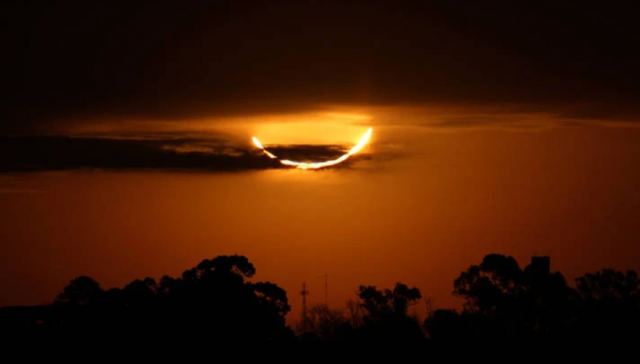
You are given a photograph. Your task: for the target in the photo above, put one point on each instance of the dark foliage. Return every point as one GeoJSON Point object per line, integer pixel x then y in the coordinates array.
{"type": "Point", "coordinates": [534, 307]}
{"type": "Point", "coordinates": [215, 302]}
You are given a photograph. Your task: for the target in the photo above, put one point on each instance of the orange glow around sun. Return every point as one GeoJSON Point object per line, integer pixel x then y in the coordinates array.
{"type": "Point", "coordinates": [362, 142]}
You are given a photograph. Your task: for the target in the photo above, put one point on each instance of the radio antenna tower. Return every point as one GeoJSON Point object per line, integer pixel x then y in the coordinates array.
{"type": "Point", "coordinates": [326, 289]}
{"type": "Point", "coordinates": [305, 319]}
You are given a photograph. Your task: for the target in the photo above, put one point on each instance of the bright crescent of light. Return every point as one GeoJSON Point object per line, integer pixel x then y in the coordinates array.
{"type": "Point", "coordinates": [364, 139]}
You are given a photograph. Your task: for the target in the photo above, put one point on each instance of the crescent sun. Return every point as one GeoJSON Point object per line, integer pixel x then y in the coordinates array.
{"type": "Point", "coordinates": [364, 139]}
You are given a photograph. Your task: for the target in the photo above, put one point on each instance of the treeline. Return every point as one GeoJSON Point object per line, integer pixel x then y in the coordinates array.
{"type": "Point", "coordinates": [216, 301]}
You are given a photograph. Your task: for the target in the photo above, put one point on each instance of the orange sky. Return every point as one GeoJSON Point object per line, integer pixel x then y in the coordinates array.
{"type": "Point", "coordinates": [497, 127]}
{"type": "Point", "coordinates": [428, 202]}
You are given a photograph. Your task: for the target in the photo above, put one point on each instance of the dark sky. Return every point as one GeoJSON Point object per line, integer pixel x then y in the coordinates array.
{"type": "Point", "coordinates": [171, 59]}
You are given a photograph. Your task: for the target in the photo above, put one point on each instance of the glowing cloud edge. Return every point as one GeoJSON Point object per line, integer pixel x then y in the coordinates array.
{"type": "Point", "coordinates": [364, 139]}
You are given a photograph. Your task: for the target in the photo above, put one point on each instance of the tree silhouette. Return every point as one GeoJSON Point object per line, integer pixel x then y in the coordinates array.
{"type": "Point", "coordinates": [610, 310]}
{"type": "Point", "coordinates": [491, 285]}
{"type": "Point", "coordinates": [82, 290]}
{"type": "Point", "coordinates": [217, 302]}
{"type": "Point", "coordinates": [326, 324]}
{"type": "Point", "coordinates": [504, 302]}
{"type": "Point", "coordinates": [609, 285]}
{"type": "Point", "coordinates": [386, 316]}
{"type": "Point", "coordinates": [213, 300]}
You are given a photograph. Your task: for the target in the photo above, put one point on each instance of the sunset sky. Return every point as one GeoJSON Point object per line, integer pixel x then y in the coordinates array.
{"type": "Point", "coordinates": [125, 140]}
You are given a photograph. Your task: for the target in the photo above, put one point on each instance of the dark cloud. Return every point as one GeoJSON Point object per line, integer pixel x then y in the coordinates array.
{"type": "Point", "coordinates": [307, 153]}
{"type": "Point", "coordinates": [171, 59]}
{"type": "Point", "coordinates": [44, 153]}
